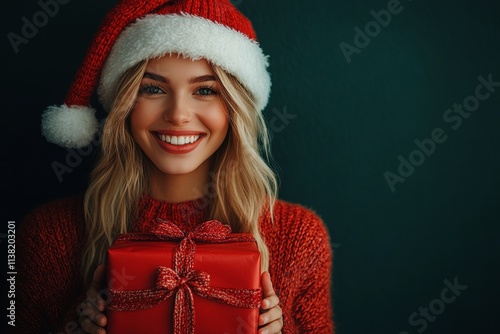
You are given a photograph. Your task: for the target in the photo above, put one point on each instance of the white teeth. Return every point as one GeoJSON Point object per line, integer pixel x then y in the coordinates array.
{"type": "Point", "coordinates": [179, 140]}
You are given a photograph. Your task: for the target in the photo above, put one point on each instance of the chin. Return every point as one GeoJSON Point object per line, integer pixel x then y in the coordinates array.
{"type": "Point", "coordinates": [177, 169]}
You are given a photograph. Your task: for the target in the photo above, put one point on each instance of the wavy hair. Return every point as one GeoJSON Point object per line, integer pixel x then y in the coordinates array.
{"type": "Point", "coordinates": [243, 184]}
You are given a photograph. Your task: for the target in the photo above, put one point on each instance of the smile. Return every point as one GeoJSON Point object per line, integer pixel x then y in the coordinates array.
{"type": "Point", "coordinates": [178, 140]}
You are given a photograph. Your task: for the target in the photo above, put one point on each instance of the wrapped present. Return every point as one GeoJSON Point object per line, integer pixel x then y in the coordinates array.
{"type": "Point", "coordinates": [170, 281]}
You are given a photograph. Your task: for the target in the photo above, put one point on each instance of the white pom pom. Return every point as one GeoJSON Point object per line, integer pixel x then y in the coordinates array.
{"type": "Point", "coordinates": [71, 127]}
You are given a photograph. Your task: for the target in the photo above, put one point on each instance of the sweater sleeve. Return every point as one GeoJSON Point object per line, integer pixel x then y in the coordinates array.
{"type": "Point", "coordinates": [49, 288]}
{"type": "Point", "coordinates": [312, 309]}
{"type": "Point", "coordinates": [300, 267]}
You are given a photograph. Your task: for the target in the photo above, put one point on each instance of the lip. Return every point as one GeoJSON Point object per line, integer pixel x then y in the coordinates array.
{"type": "Point", "coordinates": [179, 133]}
{"type": "Point", "coordinates": [178, 149]}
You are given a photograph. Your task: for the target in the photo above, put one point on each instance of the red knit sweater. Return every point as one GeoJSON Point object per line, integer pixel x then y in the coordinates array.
{"type": "Point", "coordinates": [50, 243]}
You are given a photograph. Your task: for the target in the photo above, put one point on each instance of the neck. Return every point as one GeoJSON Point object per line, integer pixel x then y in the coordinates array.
{"type": "Point", "coordinates": [180, 188]}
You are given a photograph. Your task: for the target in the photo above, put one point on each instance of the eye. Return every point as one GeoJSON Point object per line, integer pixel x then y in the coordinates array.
{"type": "Point", "coordinates": [151, 89]}
{"type": "Point", "coordinates": [206, 91]}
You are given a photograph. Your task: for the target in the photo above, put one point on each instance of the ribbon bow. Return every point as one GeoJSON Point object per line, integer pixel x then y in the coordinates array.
{"type": "Point", "coordinates": [183, 280]}
{"type": "Point", "coordinates": [209, 231]}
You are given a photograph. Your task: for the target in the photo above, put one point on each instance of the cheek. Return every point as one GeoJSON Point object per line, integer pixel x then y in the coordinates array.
{"type": "Point", "coordinates": [135, 124]}
{"type": "Point", "coordinates": [217, 121]}
{"type": "Point", "coordinates": [139, 120]}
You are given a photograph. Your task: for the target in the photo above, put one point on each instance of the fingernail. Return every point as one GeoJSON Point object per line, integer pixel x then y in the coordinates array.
{"type": "Point", "coordinates": [266, 303]}
{"type": "Point", "coordinates": [265, 331]}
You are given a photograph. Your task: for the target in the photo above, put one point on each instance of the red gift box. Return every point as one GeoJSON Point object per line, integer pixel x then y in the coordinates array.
{"type": "Point", "coordinates": [206, 281]}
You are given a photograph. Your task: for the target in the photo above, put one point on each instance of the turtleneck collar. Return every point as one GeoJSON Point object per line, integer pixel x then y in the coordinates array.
{"type": "Point", "coordinates": [186, 215]}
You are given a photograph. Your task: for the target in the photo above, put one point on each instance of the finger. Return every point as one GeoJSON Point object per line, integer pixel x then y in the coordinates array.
{"type": "Point", "coordinates": [271, 328]}
{"type": "Point", "coordinates": [90, 327]}
{"type": "Point", "coordinates": [272, 315]}
{"type": "Point", "coordinates": [270, 298]}
{"type": "Point", "coordinates": [270, 302]}
{"type": "Point", "coordinates": [98, 282]}
{"type": "Point", "coordinates": [99, 274]}
{"type": "Point", "coordinates": [88, 311]}
{"type": "Point", "coordinates": [94, 299]}
{"type": "Point", "coordinates": [267, 285]}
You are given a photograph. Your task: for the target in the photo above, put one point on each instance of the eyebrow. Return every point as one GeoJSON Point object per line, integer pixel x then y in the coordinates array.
{"type": "Point", "coordinates": [203, 78]}
{"type": "Point", "coordinates": [157, 77]}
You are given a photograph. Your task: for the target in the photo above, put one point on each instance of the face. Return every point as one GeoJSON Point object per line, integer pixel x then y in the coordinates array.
{"type": "Point", "coordinates": [179, 119]}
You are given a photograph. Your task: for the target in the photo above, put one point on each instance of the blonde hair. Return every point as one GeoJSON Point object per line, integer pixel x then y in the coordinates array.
{"type": "Point", "coordinates": [244, 185]}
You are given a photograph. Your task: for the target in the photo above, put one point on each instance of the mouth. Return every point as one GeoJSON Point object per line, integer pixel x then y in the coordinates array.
{"type": "Point", "coordinates": [178, 140]}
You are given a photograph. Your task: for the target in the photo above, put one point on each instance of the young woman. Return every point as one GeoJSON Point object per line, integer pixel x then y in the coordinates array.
{"type": "Point", "coordinates": [184, 83]}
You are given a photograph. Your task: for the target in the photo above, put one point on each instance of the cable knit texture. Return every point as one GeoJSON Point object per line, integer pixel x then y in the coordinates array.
{"type": "Point", "coordinates": [50, 243]}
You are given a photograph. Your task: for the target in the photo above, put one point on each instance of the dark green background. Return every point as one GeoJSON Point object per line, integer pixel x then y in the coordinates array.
{"type": "Point", "coordinates": [393, 250]}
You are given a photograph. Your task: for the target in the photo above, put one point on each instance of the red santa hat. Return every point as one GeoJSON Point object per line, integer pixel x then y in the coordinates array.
{"type": "Point", "coordinates": [135, 30]}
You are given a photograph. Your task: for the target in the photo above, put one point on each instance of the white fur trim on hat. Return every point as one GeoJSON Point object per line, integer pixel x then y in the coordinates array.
{"type": "Point", "coordinates": [71, 127]}
{"type": "Point", "coordinates": [193, 37]}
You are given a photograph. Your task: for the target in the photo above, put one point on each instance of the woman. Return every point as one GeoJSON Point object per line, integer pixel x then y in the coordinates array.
{"type": "Point", "coordinates": [184, 83]}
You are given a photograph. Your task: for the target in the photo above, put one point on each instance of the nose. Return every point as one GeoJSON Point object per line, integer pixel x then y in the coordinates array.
{"type": "Point", "coordinates": [177, 112]}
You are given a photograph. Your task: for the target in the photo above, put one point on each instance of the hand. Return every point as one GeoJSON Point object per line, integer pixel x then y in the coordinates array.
{"type": "Point", "coordinates": [271, 319]}
{"type": "Point", "coordinates": [92, 319]}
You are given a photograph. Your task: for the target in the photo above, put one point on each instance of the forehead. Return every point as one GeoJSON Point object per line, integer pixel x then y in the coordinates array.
{"type": "Point", "coordinates": [178, 65]}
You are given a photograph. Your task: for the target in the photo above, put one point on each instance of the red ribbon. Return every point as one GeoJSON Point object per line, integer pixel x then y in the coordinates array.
{"type": "Point", "coordinates": [183, 280]}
